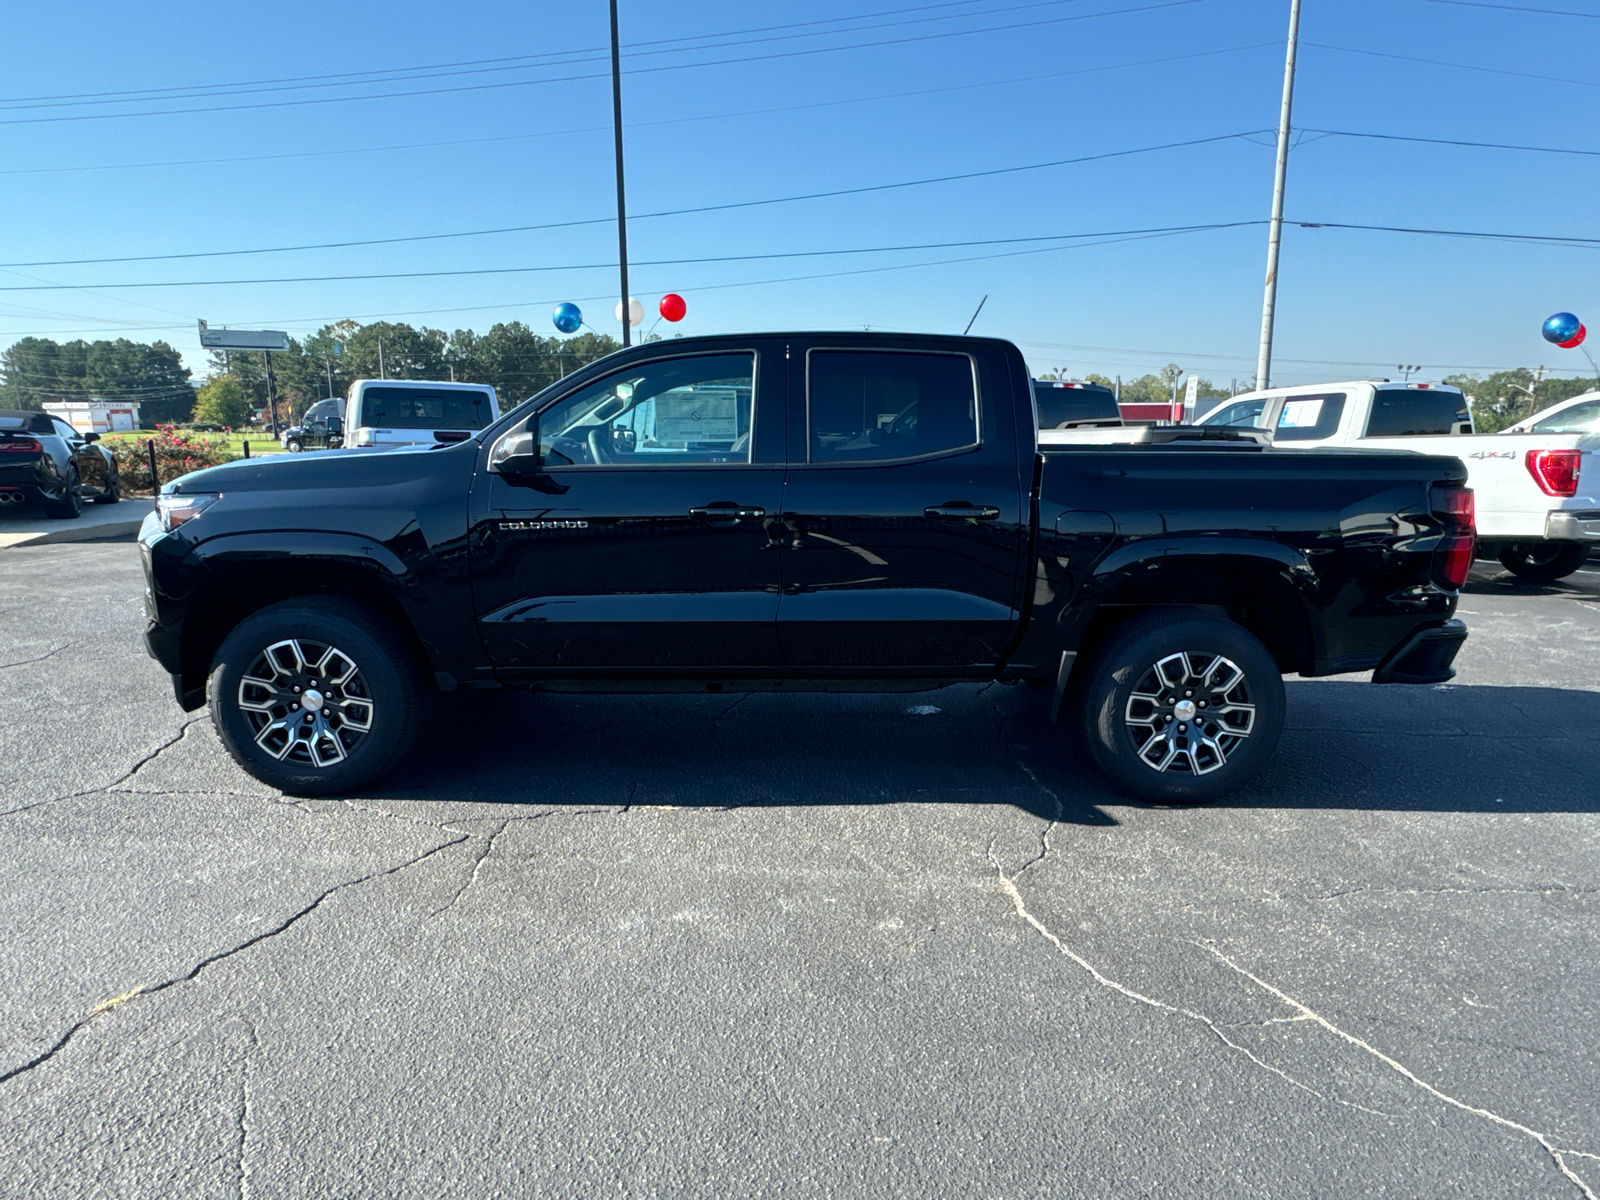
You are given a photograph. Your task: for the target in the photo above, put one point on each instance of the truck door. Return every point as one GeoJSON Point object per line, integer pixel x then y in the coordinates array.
{"type": "Point", "coordinates": [905, 512]}
{"type": "Point", "coordinates": [647, 548]}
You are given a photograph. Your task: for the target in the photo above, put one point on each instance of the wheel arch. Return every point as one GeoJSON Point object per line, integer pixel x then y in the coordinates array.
{"type": "Point", "coordinates": [242, 578]}
{"type": "Point", "coordinates": [1263, 592]}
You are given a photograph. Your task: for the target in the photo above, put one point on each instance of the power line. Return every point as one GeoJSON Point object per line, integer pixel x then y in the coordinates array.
{"type": "Point", "coordinates": [1396, 137]}
{"type": "Point", "coordinates": [1439, 62]}
{"type": "Point", "coordinates": [522, 63]}
{"type": "Point", "coordinates": [677, 212]}
{"type": "Point", "coordinates": [490, 61]}
{"type": "Point", "coordinates": [749, 112]}
{"type": "Point", "coordinates": [1536, 238]}
{"type": "Point", "coordinates": [1164, 4]}
{"type": "Point", "coordinates": [608, 264]}
{"type": "Point", "coordinates": [1547, 12]}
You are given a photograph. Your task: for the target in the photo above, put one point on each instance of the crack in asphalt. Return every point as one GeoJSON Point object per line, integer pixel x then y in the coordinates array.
{"type": "Point", "coordinates": [242, 1171]}
{"type": "Point", "coordinates": [137, 767]}
{"type": "Point", "coordinates": [488, 848]}
{"type": "Point", "coordinates": [1044, 835]}
{"type": "Point", "coordinates": [1008, 888]}
{"type": "Point", "coordinates": [717, 720]}
{"type": "Point", "coordinates": [192, 973]}
{"type": "Point", "coordinates": [1310, 1014]}
{"type": "Point", "coordinates": [27, 661]}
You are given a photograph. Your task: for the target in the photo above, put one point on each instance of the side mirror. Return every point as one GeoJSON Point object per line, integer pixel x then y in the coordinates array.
{"type": "Point", "coordinates": [623, 441]}
{"type": "Point", "coordinates": [517, 458]}
{"type": "Point", "coordinates": [91, 436]}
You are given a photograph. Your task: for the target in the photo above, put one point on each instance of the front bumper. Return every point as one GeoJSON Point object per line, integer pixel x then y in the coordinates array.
{"type": "Point", "coordinates": [1580, 525]}
{"type": "Point", "coordinates": [1425, 656]}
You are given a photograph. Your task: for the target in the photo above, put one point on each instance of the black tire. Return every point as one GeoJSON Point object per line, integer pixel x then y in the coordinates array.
{"type": "Point", "coordinates": [1544, 562]}
{"type": "Point", "coordinates": [1124, 670]}
{"type": "Point", "coordinates": [293, 446]}
{"type": "Point", "coordinates": [70, 506]}
{"type": "Point", "coordinates": [112, 493]}
{"type": "Point", "coordinates": [332, 754]}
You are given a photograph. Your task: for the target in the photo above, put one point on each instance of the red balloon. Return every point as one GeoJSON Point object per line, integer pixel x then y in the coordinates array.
{"type": "Point", "coordinates": [673, 307]}
{"type": "Point", "coordinates": [1572, 345]}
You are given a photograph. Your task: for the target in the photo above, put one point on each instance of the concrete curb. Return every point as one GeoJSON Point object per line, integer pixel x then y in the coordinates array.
{"type": "Point", "coordinates": [97, 524]}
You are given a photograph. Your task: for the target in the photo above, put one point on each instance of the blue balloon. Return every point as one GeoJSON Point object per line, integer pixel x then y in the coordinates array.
{"type": "Point", "coordinates": [1562, 327]}
{"type": "Point", "coordinates": [568, 317]}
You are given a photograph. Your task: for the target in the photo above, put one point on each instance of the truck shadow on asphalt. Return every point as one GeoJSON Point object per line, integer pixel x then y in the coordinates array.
{"type": "Point", "coordinates": [1346, 745]}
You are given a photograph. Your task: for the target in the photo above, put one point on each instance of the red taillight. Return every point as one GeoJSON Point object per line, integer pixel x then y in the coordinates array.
{"type": "Point", "coordinates": [1555, 471]}
{"type": "Point", "coordinates": [1452, 559]}
{"type": "Point", "coordinates": [18, 446]}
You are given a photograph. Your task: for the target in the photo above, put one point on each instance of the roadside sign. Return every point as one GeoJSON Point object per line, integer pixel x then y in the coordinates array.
{"type": "Point", "coordinates": [242, 339]}
{"type": "Point", "coordinates": [1191, 398]}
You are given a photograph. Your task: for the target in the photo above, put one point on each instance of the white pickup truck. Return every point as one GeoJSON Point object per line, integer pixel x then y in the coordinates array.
{"type": "Point", "coordinates": [1538, 494]}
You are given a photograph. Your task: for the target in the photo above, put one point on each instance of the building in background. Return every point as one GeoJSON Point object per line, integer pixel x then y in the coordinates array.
{"type": "Point", "coordinates": [96, 416]}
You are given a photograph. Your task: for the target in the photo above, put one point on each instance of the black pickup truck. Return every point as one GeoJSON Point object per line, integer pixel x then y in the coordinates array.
{"type": "Point", "coordinates": [801, 511]}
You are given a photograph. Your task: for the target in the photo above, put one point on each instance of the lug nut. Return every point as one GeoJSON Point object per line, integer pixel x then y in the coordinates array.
{"type": "Point", "coordinates": [296, 691]}
{"type": "Point", "coordinates": [294, 708]}
{"type": "Point", "coordinates": [1183, 729]}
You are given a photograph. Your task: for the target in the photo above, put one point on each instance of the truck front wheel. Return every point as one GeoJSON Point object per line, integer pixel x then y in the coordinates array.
{"type": "Point", "coordinates": [1181, 708]}
{"type": "Point", "coordinates": [314, 696]}
{"type": "Point", "coordinates": [1544, 562]}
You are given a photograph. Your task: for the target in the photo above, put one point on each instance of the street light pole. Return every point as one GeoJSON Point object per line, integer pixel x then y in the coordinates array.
{"type": "Point", "coordinates": [1275, 235]}
{"type": "Point", "coordinates": [622, 204]}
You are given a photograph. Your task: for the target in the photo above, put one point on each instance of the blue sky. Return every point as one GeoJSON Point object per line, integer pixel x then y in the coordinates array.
{"type": "Point", "coordinates": [922, 91]}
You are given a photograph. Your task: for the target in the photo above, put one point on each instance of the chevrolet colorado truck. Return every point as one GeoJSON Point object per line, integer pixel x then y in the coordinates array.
{"type": "Point", "coordinates": [794, 511]}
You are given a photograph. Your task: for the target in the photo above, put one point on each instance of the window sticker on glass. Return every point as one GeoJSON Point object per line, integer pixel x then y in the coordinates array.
{"type": "Point", "coordinates": [1297, 414]}
{"type": "Point", "coordinates": [695, 416]}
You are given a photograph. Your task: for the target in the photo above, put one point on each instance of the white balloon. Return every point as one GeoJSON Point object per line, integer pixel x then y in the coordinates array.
{"type": "Point", "coordinates": [635, 311]}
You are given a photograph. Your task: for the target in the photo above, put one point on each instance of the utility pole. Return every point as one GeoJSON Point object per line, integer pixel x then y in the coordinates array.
{"type": "Point", "coordinates": [382, 373]}
{"type": "Point", "coordinates": [272, 400]}
{"type": "Point", "coordinates": [330, 379]}
{"type": "Point", "coordinates": [622, 203]}
{"type": "Point", "coordinates": [1275, 231]}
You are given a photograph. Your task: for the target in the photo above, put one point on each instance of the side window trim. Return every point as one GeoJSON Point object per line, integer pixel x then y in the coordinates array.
{"type": "Point", "coordinates": [977, 407]}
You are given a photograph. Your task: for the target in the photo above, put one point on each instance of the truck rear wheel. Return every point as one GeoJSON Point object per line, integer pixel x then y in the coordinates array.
{"type": "Point", "coordinates": [1181, 708]}
{"type": "Point", "coordinates": [1544, 562]}
{"type": "Point", "coordinates": [314, 696]}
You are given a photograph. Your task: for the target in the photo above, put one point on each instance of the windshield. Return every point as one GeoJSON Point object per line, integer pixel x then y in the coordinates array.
{"type": "Point", "coordinates": [424, 408]}
{"type": "Point", "coordinates": [1580, 418]}
{"type": "Point", "coordinates": [1242, 412]}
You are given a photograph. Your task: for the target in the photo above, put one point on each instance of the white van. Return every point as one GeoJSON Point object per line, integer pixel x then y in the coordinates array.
{"type": "Point", "coordinates": [407, 412]}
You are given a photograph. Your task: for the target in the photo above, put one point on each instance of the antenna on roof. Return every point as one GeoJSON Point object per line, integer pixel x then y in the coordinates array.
{"type": "Point", "coordinates": [975, 313]}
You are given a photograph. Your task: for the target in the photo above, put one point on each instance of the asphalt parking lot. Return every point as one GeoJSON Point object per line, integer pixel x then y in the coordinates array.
{"type": "Point", "coordinates": [798, 946]}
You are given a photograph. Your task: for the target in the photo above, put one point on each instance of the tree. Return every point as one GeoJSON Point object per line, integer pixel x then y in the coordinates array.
{"type": "Point", "coordinates": [35, 371]}
{"type": "Point", "coordinates": [223, 401]}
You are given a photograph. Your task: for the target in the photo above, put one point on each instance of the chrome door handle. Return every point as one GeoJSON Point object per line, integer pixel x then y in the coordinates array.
{"type": "Point", "coordinates": [961, 512]}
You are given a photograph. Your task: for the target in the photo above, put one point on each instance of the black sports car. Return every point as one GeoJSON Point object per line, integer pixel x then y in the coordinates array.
{"type": "Point", "coordinates": [43, 460]}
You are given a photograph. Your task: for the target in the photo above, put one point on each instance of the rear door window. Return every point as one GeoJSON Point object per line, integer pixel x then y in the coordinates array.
{"type": "Point", "coordinates": [883, 405]}
{"type": "Point", "coordinates": [424, 408]}
{"type": "Point", "coordinates": [1411, 412]}
{"type": "Point", "coordinates": [1307, 418]}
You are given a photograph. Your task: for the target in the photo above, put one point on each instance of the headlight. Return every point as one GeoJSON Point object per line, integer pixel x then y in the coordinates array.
{"type": "Point", "coordinates": [179, 508]}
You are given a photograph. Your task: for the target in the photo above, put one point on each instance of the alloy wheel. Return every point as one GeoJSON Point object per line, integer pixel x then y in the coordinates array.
{"type": "Point", "coordinates": [1188, 712]}
{"type": "Point", "coordinates": [306, 703]}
